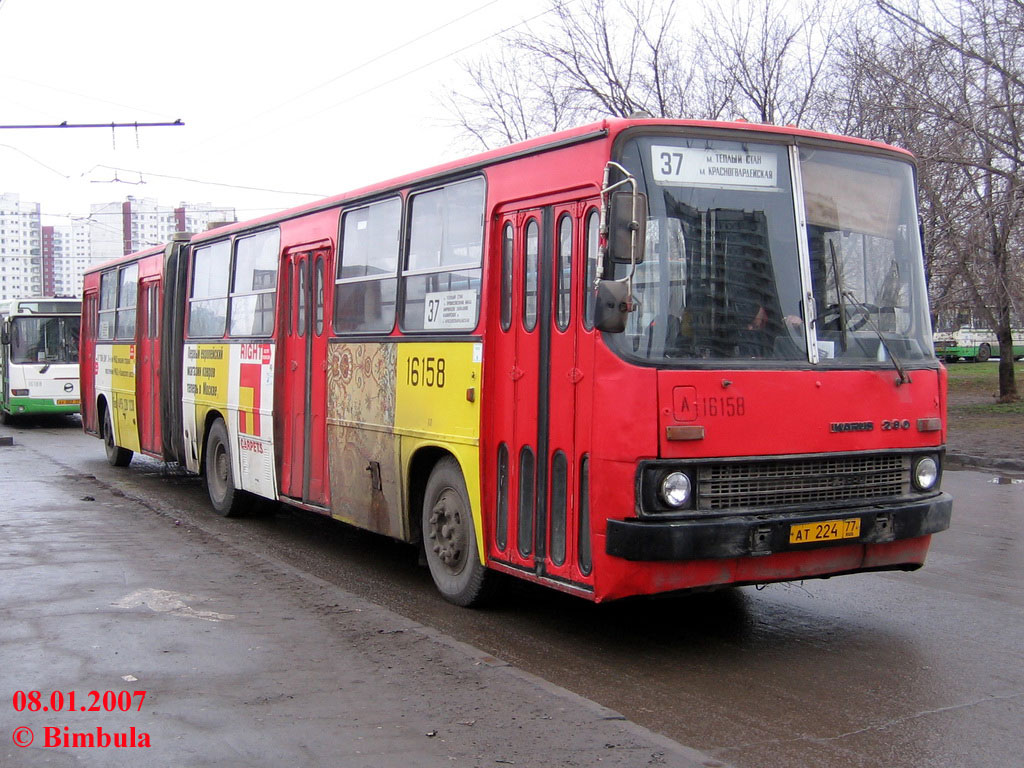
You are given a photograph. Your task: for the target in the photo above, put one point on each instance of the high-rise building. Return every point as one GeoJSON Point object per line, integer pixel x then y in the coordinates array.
{"type": "Point", "coordinates": [117, 229]}
{"type": "Point", "coordinates": [66, 254]}
{"type": "Point", "coordinates": [21, 271]}
{"type": "Point", "coordinates": [50, 261]}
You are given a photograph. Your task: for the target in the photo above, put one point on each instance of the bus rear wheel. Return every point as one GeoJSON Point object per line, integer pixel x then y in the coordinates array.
{"type": "Point", "coordinates": [449, 538]}
{"type": "Point", "coordinates": [220, 480]}
{"type": "Point", "coordinates": [984, 353]}
{"type": "Point", "coordinates": [116, 455]}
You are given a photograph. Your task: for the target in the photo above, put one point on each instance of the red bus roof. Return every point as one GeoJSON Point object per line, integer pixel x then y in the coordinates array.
{"type": "Point", "coordinates": [151, 251]}
{"type": "Point", "coordinates": [608, 128]}
{"type": "Point", "coordinates": [604, 129]}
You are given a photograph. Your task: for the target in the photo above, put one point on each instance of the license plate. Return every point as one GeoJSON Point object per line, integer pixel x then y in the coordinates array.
{"type": "Point", "coordinates": [68, 402]}
{"type": "Point", "coordinates": [828, 530]}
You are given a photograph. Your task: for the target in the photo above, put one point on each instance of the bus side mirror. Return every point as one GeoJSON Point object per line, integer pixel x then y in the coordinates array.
{"type": "Point", "coordinates": [5, 333]}
{"type": "Point", "coordinates": [611, 306]}
{"type": "Point", "coordinates": [627, 216]}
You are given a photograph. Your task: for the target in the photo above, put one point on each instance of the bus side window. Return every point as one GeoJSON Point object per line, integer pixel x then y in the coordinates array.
{"type": "Point", "coordinates": [366, 286]}
{"type": "Point", "coordinates": [563, 297]}
{"type": "Point", "coordinates": [208, 306]}
{"type": "Point", "coordinates": [127, 299]}
{"type": "Point", "coordinates": [593, 224]}
{"type": "Point", "coordinates": [254, 284]}
{"type": "Point", "coordinates": [531, 275]}
{"type": "Point", "coordinates": [442, 272]}
{"type": "Point", "coordinates": [507, 258]}
{"type": "Point", "coordinates": [300, 304]}
{"type": "Point", "coordinates": [154, 311]}
{"type": "Point", "coordinates": [318, 298]}
{"type": "Point", "coordinates": [108, 305]}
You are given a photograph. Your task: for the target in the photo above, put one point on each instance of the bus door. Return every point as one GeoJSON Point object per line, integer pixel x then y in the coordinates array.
{"type": "Point", "coordinates": [303, 391]}
{"type": "Point", "coordinates": [538, 373]}
{"type": "Point", "coordinates": [87, 365]}
{"type": "Point", "coordinates": [568, 386]}
{"type": "Point", "coordinates": [4, 384]}
{"type": "Point", "coordinates": [147, 367]}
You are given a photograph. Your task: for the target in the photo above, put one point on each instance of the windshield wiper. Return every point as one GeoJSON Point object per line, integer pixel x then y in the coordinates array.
{"type": "Point", "coordinates": [839, 294]}
{"type": "Point", "coordinates": [904, 376]}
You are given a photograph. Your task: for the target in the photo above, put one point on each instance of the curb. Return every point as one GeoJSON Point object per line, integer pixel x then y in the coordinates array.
{"type": "Point", "coordinates": [956, 459]}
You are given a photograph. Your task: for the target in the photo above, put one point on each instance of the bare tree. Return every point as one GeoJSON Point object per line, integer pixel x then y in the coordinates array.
{"type": "Point", "coordinates": [771, 57]}
{"type": "Point", "coordinates": [510, 99]}
{"type": "Point", "coordinates": [594, 59]}
{"type": "Point", "coordinates": [766, 60]}
{"type": "Point", "coordinates": [968, 112]}
{"type": "Point", "coordinates": [944, 80]}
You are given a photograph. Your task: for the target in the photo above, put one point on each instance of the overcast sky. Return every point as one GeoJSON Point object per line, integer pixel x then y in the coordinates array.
{"type": "Point", "coordinates": [300, 96]}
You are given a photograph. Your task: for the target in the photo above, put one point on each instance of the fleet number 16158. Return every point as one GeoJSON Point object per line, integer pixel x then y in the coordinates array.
{"type": "Point", "coordinates": [425, 371]}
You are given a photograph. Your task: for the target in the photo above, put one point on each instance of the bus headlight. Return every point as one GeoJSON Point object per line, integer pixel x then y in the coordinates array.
{"type": "Point", "coordinates": [676, 490]}
{"type": "Point", "coordinates": [926, 473]}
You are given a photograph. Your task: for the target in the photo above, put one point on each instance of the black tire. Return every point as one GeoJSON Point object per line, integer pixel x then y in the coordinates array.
{"type": "Point", "coordinates": [227, 500]}
{"type": "Point", "coordinates": [984, 353]}
{"type": "Point", "coordinates": [116, 456]}
{"type": "Point", "coordinates": [6, 418]}
{"type": "Point", "coordinates": [449, 538]}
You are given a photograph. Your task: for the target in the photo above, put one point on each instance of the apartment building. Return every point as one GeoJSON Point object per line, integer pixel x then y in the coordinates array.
{"type": "Point", "coordinates": [125, 227]}
{"type": "Point", "coordinates": [37, 260]}
{"type": "Point", "coordinates": [66, 255]}
{"type": "Point", "coordinates": [21, 271]}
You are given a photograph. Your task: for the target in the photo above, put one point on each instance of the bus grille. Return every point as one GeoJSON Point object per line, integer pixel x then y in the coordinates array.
{"type": "Point", "coordinates": [766, 484]}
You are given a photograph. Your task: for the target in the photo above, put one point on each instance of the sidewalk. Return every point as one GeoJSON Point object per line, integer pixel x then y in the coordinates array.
{"type": "Point", "coordinates": [244, 661]}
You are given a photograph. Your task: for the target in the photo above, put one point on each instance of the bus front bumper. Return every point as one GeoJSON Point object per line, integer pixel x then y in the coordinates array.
{"type": "Point", "coordinates": [764, 534]}
{"type": "Point", "coordinates": [28, 406]}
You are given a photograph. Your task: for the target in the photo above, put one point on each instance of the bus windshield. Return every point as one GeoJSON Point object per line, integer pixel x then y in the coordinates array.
{"type": "Point", "coordinates": [721, 276]}
{"type": "Point", "coordinates": [867, 274]}
{"type": "Point", "coordinates": [45, 339]}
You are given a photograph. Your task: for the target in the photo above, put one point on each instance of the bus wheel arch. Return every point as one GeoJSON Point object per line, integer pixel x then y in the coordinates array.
{"type": "Point", "coordinates": [421, 464]}
{"type": "Point", "coordinates": [218, 466]}
{"type": "Point", "coordinates": [212, 416]}
{"type": "Point", "coordinates": [116, 455]}
{"type": "Point", "coordinates": [448, 532]}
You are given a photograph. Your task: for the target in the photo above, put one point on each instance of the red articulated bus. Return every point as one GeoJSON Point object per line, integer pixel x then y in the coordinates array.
{"type": "Point", "coordinates": [635, 357]}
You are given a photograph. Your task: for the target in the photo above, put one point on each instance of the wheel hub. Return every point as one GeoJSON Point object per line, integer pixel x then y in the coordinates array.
{"type": "Point", "coordinates": [447, 531]}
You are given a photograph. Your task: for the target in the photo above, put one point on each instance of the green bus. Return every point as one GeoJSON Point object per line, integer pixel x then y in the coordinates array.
{"type": "Point", "coordinates": [974, 344]}
{"type": "Point", "coordinates": [39, 356]}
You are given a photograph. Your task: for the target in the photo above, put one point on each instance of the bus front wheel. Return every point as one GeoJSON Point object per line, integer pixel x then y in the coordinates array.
{"type": "Point", "coordinates": [116, 455]}
{"type": "Point", "coordinates": [220, 480]}
{"type": "Point", "coordinates": [984, 353]}
{"type": "Point", "coordinates": [449, 539]}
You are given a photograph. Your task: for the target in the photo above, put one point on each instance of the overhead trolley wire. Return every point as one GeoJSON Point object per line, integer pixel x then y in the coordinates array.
{"type": "Point", "coordinates": [355, 69]}
{"type": "Point", "coordinates": [413, 71]}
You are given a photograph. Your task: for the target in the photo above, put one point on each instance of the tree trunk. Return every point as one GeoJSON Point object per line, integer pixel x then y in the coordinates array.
{"type": "Point", "coordinates": [1007, 378]}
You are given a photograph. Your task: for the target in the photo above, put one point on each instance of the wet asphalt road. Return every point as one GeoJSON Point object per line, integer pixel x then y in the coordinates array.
{"type": "Point", "coordinates": [921, 669]}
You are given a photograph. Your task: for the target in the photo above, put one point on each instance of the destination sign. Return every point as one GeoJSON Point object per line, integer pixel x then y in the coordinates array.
{"type": "Point", "coordinates": [714, 167]}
